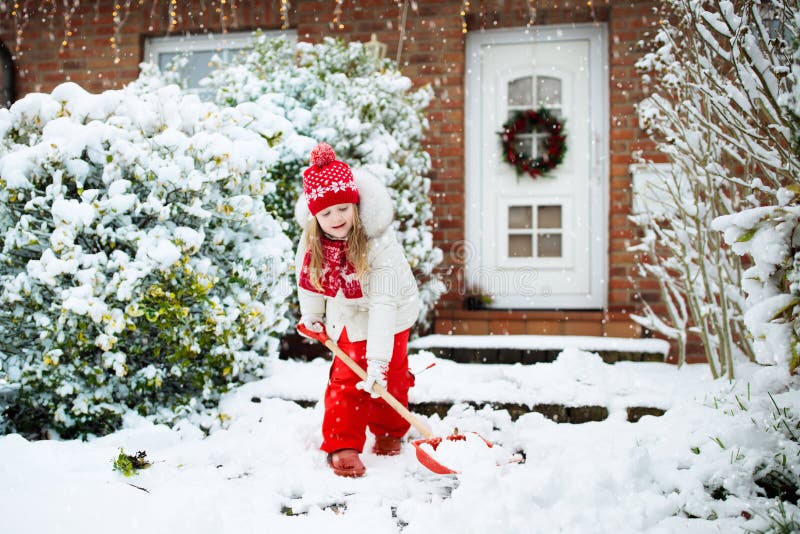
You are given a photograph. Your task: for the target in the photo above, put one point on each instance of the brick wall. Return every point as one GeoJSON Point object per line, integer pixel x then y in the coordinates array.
{"type": "Point", "coordinates": [432, 52]}
{"type": "Point", "coordinates": [98, 53]}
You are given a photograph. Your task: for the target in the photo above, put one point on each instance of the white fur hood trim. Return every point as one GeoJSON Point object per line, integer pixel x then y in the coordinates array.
{"type": "Point", "coordinates": [375, 205]}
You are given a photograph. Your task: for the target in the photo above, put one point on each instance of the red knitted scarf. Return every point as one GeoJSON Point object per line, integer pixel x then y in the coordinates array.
{"type": "Point", "coordinates": [337, 272]}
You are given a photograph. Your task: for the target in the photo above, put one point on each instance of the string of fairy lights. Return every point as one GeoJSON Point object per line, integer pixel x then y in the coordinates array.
{"type": "Point", "coordinates": [285, 6]}
{"type": "Point", "coordinates": [532, 10]}
{"type": "Point", "coordinates": [337, 15]}
{"type": "Point", "coordinates": [227, 11]}
{"type": "Point", "coordinates": [531, 13]}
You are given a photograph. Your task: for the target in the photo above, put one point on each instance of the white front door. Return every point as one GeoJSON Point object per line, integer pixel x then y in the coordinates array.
{"type": "Point", "coordinates": [538, 243]}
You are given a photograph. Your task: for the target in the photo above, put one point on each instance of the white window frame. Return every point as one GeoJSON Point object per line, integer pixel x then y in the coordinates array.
{"type": "Point", "coordinates": [566, 260]}
{"type": "Point", "coordinates": [535, 136]}
{"type": "Point", "coordinates": [207, 42]}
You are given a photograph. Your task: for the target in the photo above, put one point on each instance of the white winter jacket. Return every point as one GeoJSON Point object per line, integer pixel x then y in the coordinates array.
{"type": "Point", "coordinates": [390, 301]}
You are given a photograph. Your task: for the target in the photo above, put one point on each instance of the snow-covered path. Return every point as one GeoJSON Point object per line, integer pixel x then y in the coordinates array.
{"type": "Point", "coordinates": [609, 476]}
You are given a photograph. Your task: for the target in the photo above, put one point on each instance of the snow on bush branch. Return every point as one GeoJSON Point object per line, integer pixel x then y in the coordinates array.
{"type": "Point", "coordinates": [139, 267]}
{"type": "Point", "coordinates": [720, 73]}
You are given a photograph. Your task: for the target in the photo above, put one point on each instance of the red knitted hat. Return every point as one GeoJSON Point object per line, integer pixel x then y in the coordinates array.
{"type": "Point", "coordinates": [328, 181]}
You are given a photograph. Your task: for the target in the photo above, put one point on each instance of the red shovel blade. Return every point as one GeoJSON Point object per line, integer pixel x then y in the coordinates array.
{"type": "Point", "coordinates": [428, 461]}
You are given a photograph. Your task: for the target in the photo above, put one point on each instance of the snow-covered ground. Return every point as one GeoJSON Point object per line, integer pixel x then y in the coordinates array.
{"type": "Point", "coordinates": [262, 471]}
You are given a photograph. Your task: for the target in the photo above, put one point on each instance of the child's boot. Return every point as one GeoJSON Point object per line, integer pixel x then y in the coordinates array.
{"type": "Point", "coordinates": [386, 446]}
{"type": "Point", "coordinates": [346, 463]}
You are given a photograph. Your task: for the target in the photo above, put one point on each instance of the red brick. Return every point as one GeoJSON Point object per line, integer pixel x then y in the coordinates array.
{"type": "Point", "coordinates": [583, 328]}
{"type": "Point", "coordinates": [507, 327]}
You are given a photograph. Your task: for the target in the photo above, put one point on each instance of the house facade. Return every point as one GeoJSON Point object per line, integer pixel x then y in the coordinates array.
{"type": "Point", "coordinates": [537, 255]}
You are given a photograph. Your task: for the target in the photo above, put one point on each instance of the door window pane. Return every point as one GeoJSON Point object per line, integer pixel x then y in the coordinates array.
{"type": "Point", "coordinates": [548, 216]}
{"type": "Point", "coordinates": [520, 92]}
{"type": "Point", "coordinates": [520, 217]}
{"type": "Point", "coordinates": [548, 91]}
{"type": "Point", "coordinates": [522, 145]}
{"type": "Point", "coordinates": [548, 246]}
{"type": "Point", "coordinates": [541, 146]}
{"type": "Point", "coordinates": [535, 231]}
{"type": "Point", "coordinates": [520, 246]}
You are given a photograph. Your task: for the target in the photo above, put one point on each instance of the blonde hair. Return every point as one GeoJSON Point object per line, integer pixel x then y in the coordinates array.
{"type": "Point", "coordinates": [355, 249]}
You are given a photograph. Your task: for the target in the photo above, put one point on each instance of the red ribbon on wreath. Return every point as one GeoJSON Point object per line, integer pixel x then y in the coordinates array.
{"type": "Point", "coordinates": [534, 121]}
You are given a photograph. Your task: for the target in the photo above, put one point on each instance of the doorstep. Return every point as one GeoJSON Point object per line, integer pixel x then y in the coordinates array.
{"type": "Point", "coordinates": [535, 322]}
{"type": "Point", "coordinates": [531, 349]}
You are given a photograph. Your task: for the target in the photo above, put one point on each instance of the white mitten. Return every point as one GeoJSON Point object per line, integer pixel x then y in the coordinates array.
{"type": "Point", "coordinates": [313, 322]}
{"type": "Point", "coordinates": [376, 374]}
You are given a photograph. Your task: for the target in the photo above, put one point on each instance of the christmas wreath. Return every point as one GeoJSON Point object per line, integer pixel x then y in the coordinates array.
{"type": "Point", "coordinates": [534, 121]}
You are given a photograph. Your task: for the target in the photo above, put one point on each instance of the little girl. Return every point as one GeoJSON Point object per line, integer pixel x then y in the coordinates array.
{"type": "Point", "coordinates": [355, 283]}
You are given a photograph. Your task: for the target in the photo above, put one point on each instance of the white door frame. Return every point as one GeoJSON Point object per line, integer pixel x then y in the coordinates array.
{"type": "Point", "coordinates": [597, 36]}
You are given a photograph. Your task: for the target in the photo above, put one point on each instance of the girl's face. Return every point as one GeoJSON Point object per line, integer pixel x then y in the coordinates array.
{"type": "Point", "coordinates": [336, 221]}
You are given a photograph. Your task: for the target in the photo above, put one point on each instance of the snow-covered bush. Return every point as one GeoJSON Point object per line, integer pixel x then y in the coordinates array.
{"type": "Point", "coordinates": [719, 72]}
{"type": "Point", "coordinates": [139, 267]}
{"type": "Point", "coordinates": [363, 107]}
{"type": "Point", "coordinates": [769, 236]}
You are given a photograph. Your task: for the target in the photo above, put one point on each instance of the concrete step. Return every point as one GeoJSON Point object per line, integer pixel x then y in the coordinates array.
{"type": "Point", "coordinates": [505, 349]}
{"type": "Point", "coordinates": [558, 413]}
{"type": "Point", "coordinates": [509, 349]}
{"type": "Point", "coordinates": [577, 386]}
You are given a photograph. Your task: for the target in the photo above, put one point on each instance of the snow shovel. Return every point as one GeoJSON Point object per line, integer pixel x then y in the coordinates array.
{"type": "Point", "coordinates": [428, 438]}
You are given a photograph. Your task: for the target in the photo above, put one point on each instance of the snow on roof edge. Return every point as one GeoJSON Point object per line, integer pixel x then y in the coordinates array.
{"type": "Point", "coordinates": [531, 342]}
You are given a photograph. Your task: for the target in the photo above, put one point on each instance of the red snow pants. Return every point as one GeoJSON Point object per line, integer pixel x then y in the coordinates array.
{"type": "Point", "coordinates": [350, 411]}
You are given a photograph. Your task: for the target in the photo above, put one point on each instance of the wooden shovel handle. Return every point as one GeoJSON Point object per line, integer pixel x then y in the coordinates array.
{"type": "Point", "coordinates": [380, 390]}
